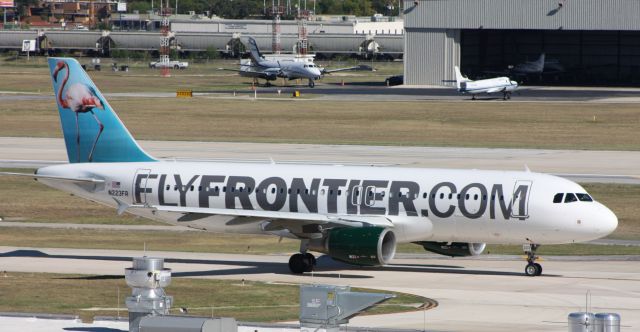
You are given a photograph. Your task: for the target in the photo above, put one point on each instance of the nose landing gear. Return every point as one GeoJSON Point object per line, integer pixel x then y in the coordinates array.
{"type": "Point", "coordinates": [532, 269]}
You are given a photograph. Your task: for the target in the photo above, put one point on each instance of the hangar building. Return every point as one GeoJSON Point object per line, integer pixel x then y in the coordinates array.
{"type": "Point", "coordinates": [585, 42]}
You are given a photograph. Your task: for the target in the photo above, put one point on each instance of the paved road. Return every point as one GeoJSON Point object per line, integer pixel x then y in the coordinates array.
{"type": "Point", "coordinates": [583, 166]}
{"type": "Point", "coordinates": [377, 91]}
{"type": "Point", "coordinates": [474, 294]}
{"type": "Point", "coordinates": [369, 90]}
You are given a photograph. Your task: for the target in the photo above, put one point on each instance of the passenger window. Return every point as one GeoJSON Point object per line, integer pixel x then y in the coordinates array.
{"type": "Point", "coordinates": [450, 196]}
{"type": "Point", "coordinates": [584, 197]}
{"type": "Point", "coordinates": [339, 192]}
{"type": "Point", "coordinates": [558, 198]}
{"type": "Point", "coordinates": [441, 195]}
{"type": "Point", "coordinates": [424, 195]}
{"type": "Point", "coordinates": [475, 197]}
{"type": "Point", "coordinates": [199, 188]}
{"type": "Point", "coordinates": [570, 198]}
{"type": "Point", "coordinates": [168, 187]}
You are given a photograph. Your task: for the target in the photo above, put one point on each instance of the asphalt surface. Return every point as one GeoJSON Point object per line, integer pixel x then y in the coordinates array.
{"type": "Point", "coordinates": [577, 165]}
{"type": "Point", "coordinates": [377, 91]}
{"type": "Point", "coordinates": [473, 294]}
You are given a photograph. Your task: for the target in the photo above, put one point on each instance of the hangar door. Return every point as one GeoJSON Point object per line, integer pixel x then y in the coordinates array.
{"type": "Point", "coordinates": [571, 57]}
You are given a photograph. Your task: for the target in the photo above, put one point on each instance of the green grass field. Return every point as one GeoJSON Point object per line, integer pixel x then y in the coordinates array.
{"type": "Point", "coordinates": [512, 124]}
{"type": "Point", "coordinates": [90, 295]}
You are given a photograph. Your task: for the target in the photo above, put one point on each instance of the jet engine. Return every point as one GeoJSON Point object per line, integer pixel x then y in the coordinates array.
{"type": "Point", "coordinates": [454, 249]}
{"type": "Point", "coordinates": [368, 246]}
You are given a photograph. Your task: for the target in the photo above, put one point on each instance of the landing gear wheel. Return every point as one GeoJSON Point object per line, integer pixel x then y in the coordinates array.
{"type": "Point", "coordinates": [312, 83]}
{"type": "Point", "coordinates": [311, 258]}
{"type": "Point", "coordinates": [539, 267]}
{"type": "Point", "coordinates": [532, 269]}
{"type": "Point", "coordinates": [301, 263]}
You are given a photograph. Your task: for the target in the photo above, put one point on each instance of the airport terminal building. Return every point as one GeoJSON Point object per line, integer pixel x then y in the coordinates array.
{"type": "Point", "coordinates": [585, 42]}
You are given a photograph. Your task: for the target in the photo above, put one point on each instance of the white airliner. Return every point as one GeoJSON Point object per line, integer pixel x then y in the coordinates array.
{"type": "Point", "coordinates": [491, 85]}
{"type": "Point", "coordinates": [354, 214]}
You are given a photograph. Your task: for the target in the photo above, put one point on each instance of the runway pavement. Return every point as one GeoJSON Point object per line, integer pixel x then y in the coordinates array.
{"type": "Point", "coordinates": [474, 294]}
{"type": "Point", "coordinates": [578, 165]}
{"type": "Point", "coordinates": [356, 91]}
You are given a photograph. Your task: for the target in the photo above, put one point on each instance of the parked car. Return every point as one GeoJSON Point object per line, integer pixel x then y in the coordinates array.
{"type": "Point", "coordinates": [394, 80]}
{"type": "Point", "coordinates": [171, 64]}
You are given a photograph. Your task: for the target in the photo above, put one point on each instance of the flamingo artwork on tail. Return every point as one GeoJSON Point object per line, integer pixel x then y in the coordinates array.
{"type": "Point", "coordinates": [79, 98]}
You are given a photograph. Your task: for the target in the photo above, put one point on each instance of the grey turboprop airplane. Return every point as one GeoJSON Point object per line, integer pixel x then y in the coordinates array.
{"type": "Point", "coordinates": [270, 70]}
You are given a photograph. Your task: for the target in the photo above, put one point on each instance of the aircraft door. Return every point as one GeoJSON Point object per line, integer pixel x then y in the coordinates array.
{"type": "Point", "coordinates": [356, 195]}
{"type": "Point", "coordinates": [520, 199]}
{"type": "Point", "coordinates": [140, 189]}
{"type": "Point", "coordinates": [369, 196]}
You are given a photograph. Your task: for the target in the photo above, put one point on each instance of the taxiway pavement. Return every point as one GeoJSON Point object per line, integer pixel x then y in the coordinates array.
{"type": "Point", "coordinates": [578, 165]}
{"type": "Point", "coordinates": [474, 294]}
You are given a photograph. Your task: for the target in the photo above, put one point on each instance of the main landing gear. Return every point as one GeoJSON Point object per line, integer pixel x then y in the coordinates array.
{"type": "Point", "coordinates": [312, 83]}
{"type": "Point", "coordinates": [532, 269]}
{"type": "Point", "coordinates": [303, 261]}
{"type": "Point", "coordinates": [506, 95]}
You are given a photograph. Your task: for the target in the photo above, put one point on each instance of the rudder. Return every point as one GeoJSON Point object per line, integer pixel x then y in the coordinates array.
{"type": "Point", "coordinates": [92, 130]}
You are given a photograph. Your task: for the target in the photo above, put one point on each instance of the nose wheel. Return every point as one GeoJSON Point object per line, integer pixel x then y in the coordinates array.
{"type": "Point", "coordinates": [532, 269]}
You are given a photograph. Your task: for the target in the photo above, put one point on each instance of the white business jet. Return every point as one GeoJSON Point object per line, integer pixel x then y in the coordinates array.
{"type": "Point", "coordinates": [502, 85]}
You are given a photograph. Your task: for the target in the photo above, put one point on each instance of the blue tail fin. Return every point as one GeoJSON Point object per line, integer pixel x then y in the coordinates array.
{"type": "Point", "coordinates": [254, 51]}
{"type": "Point", "coordinates": [92, 130]}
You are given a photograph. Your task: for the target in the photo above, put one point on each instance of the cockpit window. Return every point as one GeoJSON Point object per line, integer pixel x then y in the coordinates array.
{"type": "Point", "coordinates": [558, 198]}
{"type": "Point", "coordinates": [570, 198]}
{"type": "Point", "coordinates": [584, 197]}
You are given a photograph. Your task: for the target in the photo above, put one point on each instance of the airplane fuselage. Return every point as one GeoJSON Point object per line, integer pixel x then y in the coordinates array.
{"type": "Point", "coordinates": [422, 204]}
{"type": "Point", "coordinates": [492, 85]}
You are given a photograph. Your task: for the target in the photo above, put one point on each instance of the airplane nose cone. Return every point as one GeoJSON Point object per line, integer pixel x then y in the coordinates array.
{"type": "Point", "coordinates": [608, 222]}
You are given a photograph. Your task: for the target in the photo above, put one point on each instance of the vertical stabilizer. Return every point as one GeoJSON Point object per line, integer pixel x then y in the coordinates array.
{"type": "Point", "coordinates": [459, 78]}
{"type": "Point", "coordinates": [254, 51]}
{"type": "Point", "coordinates": [539, 64]}
{"type": "Point", "coordinates": [92, 130]}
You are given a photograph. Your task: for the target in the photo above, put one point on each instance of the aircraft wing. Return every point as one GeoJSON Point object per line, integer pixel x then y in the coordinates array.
{"type": "Point", "coordinates": [285, 219]}
{"type": "Point", "coordinates": [263, 74]}
{"type": "Point", "coordinates": [494, 90]}
{"type": "Point", "coordinates": [354, 68]}
{"type": "Point", "coordinates": [49, 177]}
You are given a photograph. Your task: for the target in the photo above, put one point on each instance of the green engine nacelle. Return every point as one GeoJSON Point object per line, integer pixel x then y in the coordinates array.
{"type": "Point", "coordinates": [368, 246]}
{"type": "Point", "coordinates": [455, 249]}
